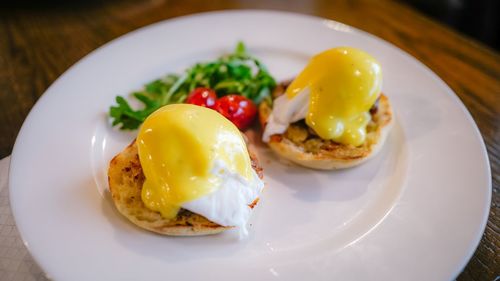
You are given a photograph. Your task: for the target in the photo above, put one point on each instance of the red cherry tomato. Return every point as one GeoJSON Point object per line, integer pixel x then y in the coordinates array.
{"type": "Point", "coordinates": [238, 109]}
{"type": "Point", "coordinates": [203, 97]}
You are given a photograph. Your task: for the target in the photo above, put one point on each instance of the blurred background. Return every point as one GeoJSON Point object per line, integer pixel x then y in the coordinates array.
{"type": "Point", "coordinates": [478, 19]}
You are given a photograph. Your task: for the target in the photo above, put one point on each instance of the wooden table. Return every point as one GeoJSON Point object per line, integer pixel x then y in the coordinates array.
{"type": "Point", "coordinates": [38, 44]}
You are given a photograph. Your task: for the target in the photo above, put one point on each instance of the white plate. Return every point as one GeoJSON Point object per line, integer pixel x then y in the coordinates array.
{"type": "Point", "coordinates": [415, 212]}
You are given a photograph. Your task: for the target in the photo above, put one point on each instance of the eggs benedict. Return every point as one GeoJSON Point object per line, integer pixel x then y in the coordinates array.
{"type": "Point", "coordinates": [333, 114]}
{"type": "Point", "coordinates": [189, 172]}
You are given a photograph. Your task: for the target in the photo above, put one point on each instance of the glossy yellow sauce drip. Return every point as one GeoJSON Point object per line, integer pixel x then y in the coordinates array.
{"type": "Point", "coordinates": [344, 83]}
{"type": "Point", "coordinates": [177, 147]}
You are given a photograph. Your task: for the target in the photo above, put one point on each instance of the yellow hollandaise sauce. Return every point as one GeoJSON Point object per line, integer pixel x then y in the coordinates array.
{"type": "Point", "coordinates": [177, 147]}
{"type": "Point", "coordinates": [344, 83]}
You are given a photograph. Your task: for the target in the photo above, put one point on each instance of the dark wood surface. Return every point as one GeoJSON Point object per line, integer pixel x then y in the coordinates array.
{"type": "Point", "coordinates": [38, 42]}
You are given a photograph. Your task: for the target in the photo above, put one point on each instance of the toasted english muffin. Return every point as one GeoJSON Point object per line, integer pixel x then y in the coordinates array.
{"type": "Point", "coordinates": [125, 177]}
{"type": "Point", "coordinates": [300, 144]}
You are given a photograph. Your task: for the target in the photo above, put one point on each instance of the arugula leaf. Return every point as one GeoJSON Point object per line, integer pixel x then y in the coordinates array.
{"type": "Point", "coordinates": [235, 73]}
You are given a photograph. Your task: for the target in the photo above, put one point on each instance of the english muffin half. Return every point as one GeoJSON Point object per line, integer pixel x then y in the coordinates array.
{"type": "Point", "coordinates": [300, 144]}
{"type": "Point", "coordinates": [126, 178]}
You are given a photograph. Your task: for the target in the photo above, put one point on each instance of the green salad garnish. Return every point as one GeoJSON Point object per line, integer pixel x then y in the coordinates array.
{"type": "Point", "coordinates": [235, 73]}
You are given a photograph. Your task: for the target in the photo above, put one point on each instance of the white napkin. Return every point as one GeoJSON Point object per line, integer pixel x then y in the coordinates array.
{"type": "Point", "coordinates": [16, 263]}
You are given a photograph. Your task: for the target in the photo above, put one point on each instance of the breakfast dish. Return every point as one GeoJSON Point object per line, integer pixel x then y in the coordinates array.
{"type": "Point", "coordinates": [424, 197]}
{"type": "Point", "coordinates": [332, 115]}
{"type": "Point", "coordinates": [188, 173]}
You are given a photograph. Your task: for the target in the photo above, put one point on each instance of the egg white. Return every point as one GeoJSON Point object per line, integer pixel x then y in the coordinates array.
{"type": "Point", "coordinates": [228, 205]}
{"type": "Point", "coordinates": [286, 111]}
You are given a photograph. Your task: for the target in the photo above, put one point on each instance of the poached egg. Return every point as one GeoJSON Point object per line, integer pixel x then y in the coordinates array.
{"type": "Point", "coordinates": [194, 158]}
{"type": "Point", "coordinates": [333, 93]}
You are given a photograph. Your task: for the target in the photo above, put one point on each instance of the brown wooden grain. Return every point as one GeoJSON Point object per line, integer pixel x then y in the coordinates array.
{"type": "Point", "coordinates": [38, 44]}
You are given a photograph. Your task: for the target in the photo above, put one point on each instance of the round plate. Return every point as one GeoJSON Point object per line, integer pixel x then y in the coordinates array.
{"type": "Point", "coordinates": [414, 212]}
